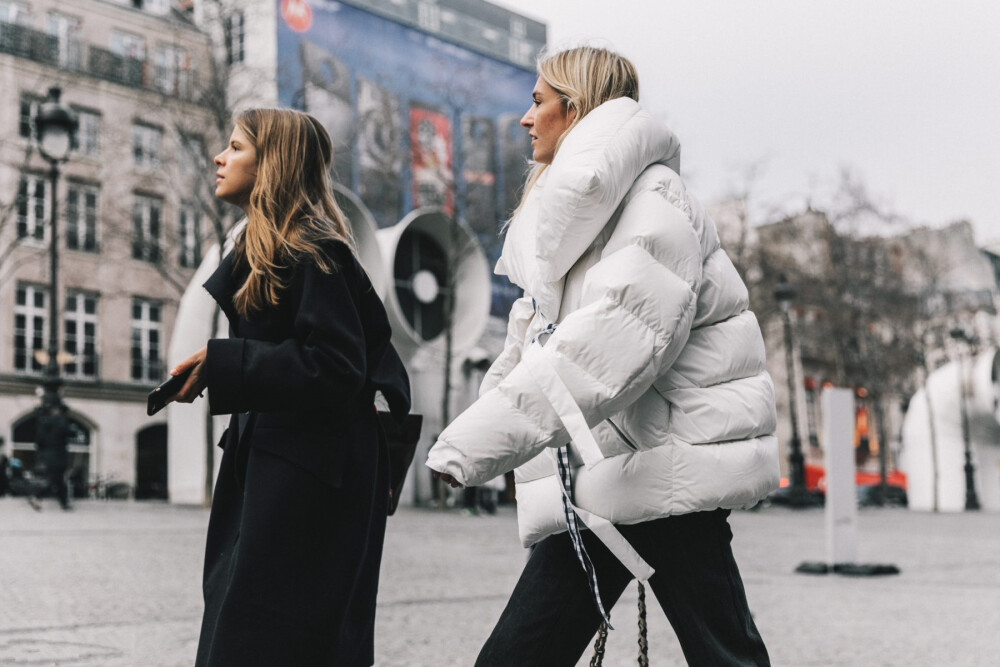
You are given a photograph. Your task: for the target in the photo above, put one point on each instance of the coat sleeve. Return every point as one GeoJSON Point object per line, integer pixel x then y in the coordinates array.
{"type": "Point", "coordinates": [322, 365]}
{"type": "Point", "coordinates": [521, 313]}
{"type": "Point", "coordinates": [635, 316]}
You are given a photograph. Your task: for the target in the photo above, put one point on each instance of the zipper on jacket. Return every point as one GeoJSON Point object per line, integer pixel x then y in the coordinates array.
{"type": "Point", "coordinates": [621, 434]}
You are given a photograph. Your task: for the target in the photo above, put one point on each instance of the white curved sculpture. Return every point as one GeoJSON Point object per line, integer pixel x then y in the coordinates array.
{"type": "Point", "coordinates": [198, 319]}
{"type": "Point", "coordinates": [364, 229]}
{"type": "Point", "coordinates": [415, 252]}
{"type": "Point", "coordinates": [933, 454]}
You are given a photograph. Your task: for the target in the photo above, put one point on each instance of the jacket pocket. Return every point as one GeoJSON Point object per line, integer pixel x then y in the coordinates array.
{"type": "Point", "coordinates": [318, 454]}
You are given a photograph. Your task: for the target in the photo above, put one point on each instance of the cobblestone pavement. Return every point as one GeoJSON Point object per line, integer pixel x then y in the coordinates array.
{"type": "Point", "coordinates": [115, 584]}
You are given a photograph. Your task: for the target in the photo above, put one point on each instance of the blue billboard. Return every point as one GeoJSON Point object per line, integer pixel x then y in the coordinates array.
{"type": "Point", "coordinates": [416, 120]}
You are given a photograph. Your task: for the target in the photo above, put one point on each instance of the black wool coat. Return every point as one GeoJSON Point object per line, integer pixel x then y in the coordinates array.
{"type": "Point", "coordinates": [51, 439]}
{"type": "Point", "coordinates": [299, 511]}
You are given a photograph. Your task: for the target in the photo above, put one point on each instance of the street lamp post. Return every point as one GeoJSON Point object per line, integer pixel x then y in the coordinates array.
{"type": "Point", "coordinates": [784, 293]}
{"type": "Point", "coordinates": [971, 498]}
{"type": "Point", "coordinates": [810, 385]}
{"type": "Point", "coordinates": [55, 130]}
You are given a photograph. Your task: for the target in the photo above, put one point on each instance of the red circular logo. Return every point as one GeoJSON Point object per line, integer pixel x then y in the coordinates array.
{"type": "Point", "coordinates": [297, 14]}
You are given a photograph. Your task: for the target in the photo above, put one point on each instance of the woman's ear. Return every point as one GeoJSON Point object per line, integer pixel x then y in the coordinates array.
{"type": "Point", "coordinates": [570, 112]}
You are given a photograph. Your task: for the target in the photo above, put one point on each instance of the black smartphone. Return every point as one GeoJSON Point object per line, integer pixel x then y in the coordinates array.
{"type": "Point", "coordinates": [157, 398]}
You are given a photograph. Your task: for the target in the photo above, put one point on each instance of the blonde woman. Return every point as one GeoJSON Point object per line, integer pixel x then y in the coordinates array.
{"type": "Point", "coordinates": [298, 516]}
{"type": "Point", "coordinates": [631, 396]}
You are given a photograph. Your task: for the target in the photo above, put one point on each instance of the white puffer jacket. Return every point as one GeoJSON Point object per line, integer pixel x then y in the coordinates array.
{"type": "Point", "coordinates": [633, 339]}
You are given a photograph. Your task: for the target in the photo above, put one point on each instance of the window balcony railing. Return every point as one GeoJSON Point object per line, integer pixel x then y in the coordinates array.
{"type": "Point", "coordinates": [25, 42]}
{"type": "Point", "coordinates": [110, 66]}
{"type": "Point", "coordinates": [74, 56]}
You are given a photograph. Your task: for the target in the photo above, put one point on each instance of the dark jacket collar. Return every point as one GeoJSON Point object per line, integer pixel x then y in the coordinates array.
{"type": "Point", "coordinates": [222, 285]}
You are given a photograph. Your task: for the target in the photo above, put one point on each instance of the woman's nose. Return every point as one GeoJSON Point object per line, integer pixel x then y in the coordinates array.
{"type": "Point", "coordinates": [527, 120]}
{"type": "Point", "coordinates": [217, 160]}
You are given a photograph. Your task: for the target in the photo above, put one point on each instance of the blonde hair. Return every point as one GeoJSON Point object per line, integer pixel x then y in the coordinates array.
{"type": "Point", "coordinates": [292, 210]}
{"type": "Point", "coordinates": [585, 77]}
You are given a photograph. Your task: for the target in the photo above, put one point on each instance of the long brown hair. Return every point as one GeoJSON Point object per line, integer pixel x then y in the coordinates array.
{"type": "Point", "coordinates": [292, 210]}
{"type": "Point", "coordinates": [585, 77]}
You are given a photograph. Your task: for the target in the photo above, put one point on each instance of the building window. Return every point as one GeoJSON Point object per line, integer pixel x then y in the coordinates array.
{"type": "Point", "coordinates": [193, 152]}
{"type": "Point", "coordinates": [429, 16]}
{"type": "Point", "coordinates": [146, 316]}
{"type": "Point", "coordinates": [146, 143]}
{"type": "Point", "coordinates": [128, 45]}
{"type": "Point", "coordinates": [26, 115]}
{"type": "Point", "coordinates": [81, 217]}
{"type": "Point", "coordinates": [520, 51]}
{"type": "Point", "coordinates": [67, 30]}
{"type": "Point", "coordinates": [152, 6]}
{"type": "Point", "coordinates": [189, 226]}
{"type": "Point", "coordinates": [193, 161]}
{"type": "Point", "coordinates": [172, 69]}
{"type": "Point", "coordinates": [31, 319]}
{"type": "Point", "coordinates": [147, 212]}
{"type": "Point", "coordinates": [88, 135]}
{"type": "Point", "coordinates": [80, 334]}
{"type": "Point", "coordinates": [33, 206]}
{"type": "Point", "coordinates": [14, 12]}
{"type": "Point", "coordinates": [235, 36]}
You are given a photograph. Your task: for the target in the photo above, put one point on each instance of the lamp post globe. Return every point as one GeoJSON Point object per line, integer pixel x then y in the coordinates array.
{"type": "Point", "coordinates": [784, 293]}
{"type": "Point", "coordinates": [55, 128]}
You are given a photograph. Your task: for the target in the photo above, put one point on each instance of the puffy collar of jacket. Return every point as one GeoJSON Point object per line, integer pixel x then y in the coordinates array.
{"type": "Point", "coordinates": [579, 192]}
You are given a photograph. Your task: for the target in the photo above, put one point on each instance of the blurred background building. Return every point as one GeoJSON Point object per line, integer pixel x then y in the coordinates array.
{"type": "Point", "coordinates": [878, 306]}
{"type": "Point", "coordinates": [129, 230]}
{"type": "Point", "coordinates": [422, 99]}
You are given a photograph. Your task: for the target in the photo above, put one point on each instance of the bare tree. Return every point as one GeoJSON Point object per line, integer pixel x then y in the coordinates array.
{"type": "Point", "coordinates": [861, 321]}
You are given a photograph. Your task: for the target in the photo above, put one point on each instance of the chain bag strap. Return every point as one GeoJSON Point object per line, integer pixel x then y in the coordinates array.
{"type": "Point", "coordinates": [619, 547]}
{"type": "Point", "coordinates": [602, 636]}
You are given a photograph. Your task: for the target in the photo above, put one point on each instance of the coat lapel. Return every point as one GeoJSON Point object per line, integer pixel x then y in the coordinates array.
{"type": "Point", "coordinates": [222, 286]}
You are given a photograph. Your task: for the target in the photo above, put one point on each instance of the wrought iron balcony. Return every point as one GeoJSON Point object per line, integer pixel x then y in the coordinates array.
{"type": "Point", "coordinates": [87, 59]}
{"type": "Point", "coordinates": [25, 42]}
{"type": "Point", "coordinates": [110, 66]}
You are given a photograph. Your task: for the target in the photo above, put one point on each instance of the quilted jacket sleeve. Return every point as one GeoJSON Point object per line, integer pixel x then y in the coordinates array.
{"type": "Point", "coordinates": [635, 316]}
{"type": "Point", "coordinates": [521, 313]}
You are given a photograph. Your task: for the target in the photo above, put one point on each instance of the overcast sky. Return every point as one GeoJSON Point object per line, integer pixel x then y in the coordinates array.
{"type": "Point", "coordinates": [905, 92]}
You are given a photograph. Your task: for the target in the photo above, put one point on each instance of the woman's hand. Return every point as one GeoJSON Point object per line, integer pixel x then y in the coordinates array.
{"type": "Point", "coordinates": [196, 382]}
{"type": "Point", "coordinates": [445, 477]}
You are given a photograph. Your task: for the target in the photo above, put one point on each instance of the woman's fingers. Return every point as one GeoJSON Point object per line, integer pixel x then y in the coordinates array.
{"type": "Point", "coordinates": [192, 388]}
{"type": "Point", "coordinates": [195, 384]}
{"type": "Point", "coordinates": [445, 477]}
{"type": "Point", "coordinates": [196, 358]}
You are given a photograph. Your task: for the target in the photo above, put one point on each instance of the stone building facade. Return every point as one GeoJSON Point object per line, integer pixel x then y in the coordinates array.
{"type": "Point", "coordinates": [130, 224]}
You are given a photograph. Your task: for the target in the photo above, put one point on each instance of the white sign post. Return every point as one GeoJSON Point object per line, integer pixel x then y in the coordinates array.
{"type": "Point", "coordinates": [841, 496]}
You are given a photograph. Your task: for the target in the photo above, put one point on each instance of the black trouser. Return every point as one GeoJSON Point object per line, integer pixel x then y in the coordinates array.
{"type": "Point", "coordinates": [551, 616]}
{"type": "Point", "coordinates": [55, 485]}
